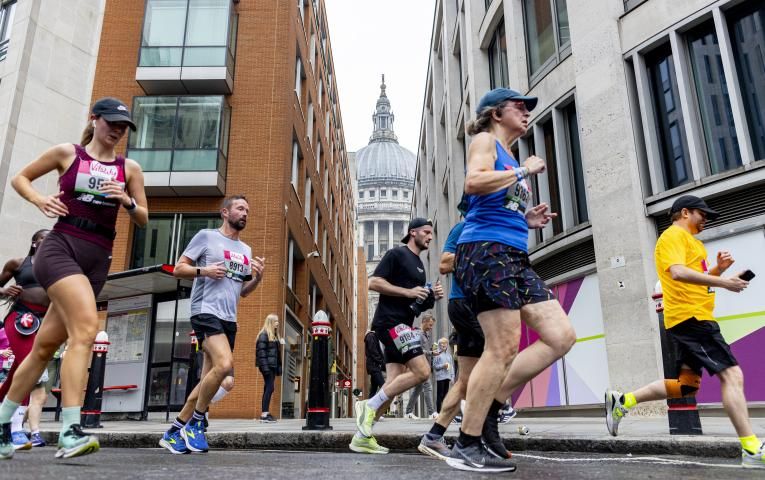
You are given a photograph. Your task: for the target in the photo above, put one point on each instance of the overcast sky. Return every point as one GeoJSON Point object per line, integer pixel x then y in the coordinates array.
{"type": "Point", "coordinates": [372, 37]}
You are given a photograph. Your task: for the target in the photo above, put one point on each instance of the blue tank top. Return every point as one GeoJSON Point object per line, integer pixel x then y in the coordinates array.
{"type": "Point", "coordinates": [500, 216]}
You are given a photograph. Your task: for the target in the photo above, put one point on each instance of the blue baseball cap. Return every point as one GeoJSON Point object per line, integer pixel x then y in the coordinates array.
{"type": "Point", "coordinates": [499, 95]}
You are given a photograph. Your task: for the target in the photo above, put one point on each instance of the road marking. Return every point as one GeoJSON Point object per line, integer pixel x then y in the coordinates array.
{"type": "Point", "coordinates": [658, 460]}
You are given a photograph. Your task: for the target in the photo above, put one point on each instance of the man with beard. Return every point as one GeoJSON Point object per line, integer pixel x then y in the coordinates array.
{"type": "Point", "coordinates": [400, 280]}
{"type": "Point", "coordinates": [223, 270]}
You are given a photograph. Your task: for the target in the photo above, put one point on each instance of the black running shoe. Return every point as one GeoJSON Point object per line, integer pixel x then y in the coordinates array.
{"type": "Point", "coordinates": [475, 458]}
{"type": "Point", "coordinates": [491, 439]}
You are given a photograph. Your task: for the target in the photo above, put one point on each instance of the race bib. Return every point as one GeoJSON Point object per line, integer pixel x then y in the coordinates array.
{"type": "Point", "coordinates": [238, 266]}
{"type": "Point", "coordinates": [7, 362]}
{"type": "Point", "coordinates": [404, 338]}
{"type": "Point", "coordinates": [518, 196]}
{"type": "Point", "coordinates": [90, 176]}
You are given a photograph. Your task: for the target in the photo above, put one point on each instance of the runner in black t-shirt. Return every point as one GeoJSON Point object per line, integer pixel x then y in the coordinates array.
{"type": "Point", "coordinates": [400, 280]}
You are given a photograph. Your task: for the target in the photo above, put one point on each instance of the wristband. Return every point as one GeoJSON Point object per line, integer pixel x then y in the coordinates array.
{"type": "Point", "coordinates": [132, 206]}
{"type": "Point", "coordinates": [199, 272]}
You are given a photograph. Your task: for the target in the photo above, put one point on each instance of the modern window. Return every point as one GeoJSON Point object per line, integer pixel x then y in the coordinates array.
{"type": "Point", "coordinates": [747, 30]}
{"type": "Point", "coordinates": [165, 237]}
{"type": "Point", "coordinates": [547, 34]}
{"type": "Point", "coordinates": [6, 21]}
{"type": "Point", "coordinates": [190, 33]}
{"type": "Point", "coordinates": [713, 98]}
{"type": "Point", "coordinates": [498, 73]}
{"type": "Point", "coordinates": [579, 195]}
{"type": "Point", "coordinates": [180, 133]}
{"type": "Point", "coordinates": [552, 172]}
{"type": "Point", "coordinates": [668, 117]}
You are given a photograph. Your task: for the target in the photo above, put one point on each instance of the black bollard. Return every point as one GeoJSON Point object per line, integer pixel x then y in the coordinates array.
{"type": "Point", "coordinates": [90, 416]}
{"type": "Point", "coordinates": [318, 413]}
{"type": "Point", "coordinates": [195, 365]}
{"type": "Point", "coordinates": [683, 416]}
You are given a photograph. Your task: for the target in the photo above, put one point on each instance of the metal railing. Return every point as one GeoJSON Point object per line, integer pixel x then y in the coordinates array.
{"type": "Point", "coordinates": [4, 49]}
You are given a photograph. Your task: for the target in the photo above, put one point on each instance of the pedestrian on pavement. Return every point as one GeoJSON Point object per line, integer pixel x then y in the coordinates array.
{"type": "Point", "coordinates": [223, 270]}
{"type": "Point", "coordinates": [425, 388]}
{"type": "Point", "coordinates": [375, 362]}
{"type": "Point", "coordinates": [443, 364]}
{"type": "Point", "coordinates": [6, 356]}
{"type": "Point", "coordinates": [22, 323]}
{"type": "Point", "coordinates": [268, 354]}
{"type": "Point", "coordinates": [494, 271]}
{"type": "Point", "coordinates": [470, 344]}
{"type": "Point", "coordinates": [404, 295]}
{"type": "Point", "coordinates": [689, 299]}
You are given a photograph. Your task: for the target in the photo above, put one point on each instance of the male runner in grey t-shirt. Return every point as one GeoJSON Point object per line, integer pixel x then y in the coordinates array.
{"type": "Point", "coordinates": [223, 271]}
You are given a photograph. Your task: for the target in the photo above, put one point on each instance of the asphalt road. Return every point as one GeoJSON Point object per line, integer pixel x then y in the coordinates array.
{"type": "Point", "coordinates": [156, 463]}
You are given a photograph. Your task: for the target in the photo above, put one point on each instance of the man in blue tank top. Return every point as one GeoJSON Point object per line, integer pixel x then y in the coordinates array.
{"type": "Point", "coordinates": [494, 272]}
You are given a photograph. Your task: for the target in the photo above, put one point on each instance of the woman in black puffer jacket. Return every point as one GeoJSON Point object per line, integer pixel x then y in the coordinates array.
{"type": "Point", "coordinates": [268, 358]}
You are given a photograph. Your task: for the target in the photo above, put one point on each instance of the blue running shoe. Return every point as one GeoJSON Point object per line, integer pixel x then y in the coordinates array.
{"type": "Point", "coordinates": [37, 440]}
{"type": "Point", "coordinates": [20, 441]}
{"type": "Point", "coordinates": [174, 443]}
{"type": "Point", "coordinates": [194, 436]}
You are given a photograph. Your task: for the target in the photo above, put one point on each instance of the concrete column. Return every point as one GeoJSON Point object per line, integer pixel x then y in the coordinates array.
{"type": "Point", "coordinates": [361, 235]}
{"type": "Point", "coordinates": [391, 243]}
{"type": "Point", "coordinates": [617, 213]}
{"type": "Point", "coordinates": [377, 240]}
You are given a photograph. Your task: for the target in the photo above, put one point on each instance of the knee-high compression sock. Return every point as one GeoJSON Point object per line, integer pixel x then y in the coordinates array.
{"type": "Point", "coordinates": [751, 444]}
{"type": "Point", "coordinates": [377, 401]}
{"type": "Point", "coordinates": [18, 418]}
{"type": "Point", "coordinates": [7, 409]}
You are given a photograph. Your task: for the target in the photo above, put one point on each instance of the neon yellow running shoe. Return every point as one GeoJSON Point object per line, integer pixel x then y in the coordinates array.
{"type": "Point", "coordinates": [365, 417]}
{"type": "Point", "coordinates": [367, 445]}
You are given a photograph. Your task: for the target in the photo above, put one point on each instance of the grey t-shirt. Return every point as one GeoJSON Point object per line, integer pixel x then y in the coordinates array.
{"type": "Point", "coordinates": [218, 297]}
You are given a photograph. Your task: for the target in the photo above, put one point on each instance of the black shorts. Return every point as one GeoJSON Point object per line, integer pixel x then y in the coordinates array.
{"type": "Point", "coordinates": [495, 275]}
{"type": "Point", "coordinates": [392, 352]}
{"type": "Point", "coordinates": [699, 343]}
{"type": "Point", "coordinates": [206, 325]}
{"type": "Point", "coordinates": [62, 255]}
{"type": "Point", "coordinates": [470, 339]}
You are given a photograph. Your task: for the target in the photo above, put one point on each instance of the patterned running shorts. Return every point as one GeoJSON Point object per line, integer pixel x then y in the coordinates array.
{"type": "Point", "coordinates": [494, 275]}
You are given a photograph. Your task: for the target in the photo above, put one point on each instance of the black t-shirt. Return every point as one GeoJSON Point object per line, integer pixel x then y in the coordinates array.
{"type": "Point", "coordinates": [403, 268]}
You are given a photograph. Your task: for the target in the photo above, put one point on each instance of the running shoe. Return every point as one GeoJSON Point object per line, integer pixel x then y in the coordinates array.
{"type": "Point", "coordinates": [753, 460]}
{"type": "Point", "coordinates": [411, 416]}
{"type": "Point", "coordinates": [174, 443]}
{"type": "Point", "coordinates": [435, 448]}
{"type": "Point", "coordinates": [507, 413]}
{"type": "Point", "coordinates": [457, 419]}
{"type": "Point", "coordinates": [367, 445]}
{"type": "Point", "coordinates": [37, 440]}
{"type": "Point", "coordinates": [615, 410]}
{"type": "Point", "coordinates": [365, 417]}
{"type": "Point", "coordinates": [194, 436]}
{"type": "Point", "coordinates": [491, 439]}
{"type": "Point", "coordinates": [6, 442]}
{"type": "Point", "coordinates": [74, 443]}
{"type": "Point", "coordinates": [433, 415]}
{"type": "Point", "coordinates": [20, 440]}
{"type": "Point", "coordinates": [475, 458]}
{"type": "Point", "coordinates": [268, 419]}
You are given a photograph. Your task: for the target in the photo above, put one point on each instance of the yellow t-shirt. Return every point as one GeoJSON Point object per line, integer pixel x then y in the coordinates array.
{"type": "Point", "coordinates": [676, 246]}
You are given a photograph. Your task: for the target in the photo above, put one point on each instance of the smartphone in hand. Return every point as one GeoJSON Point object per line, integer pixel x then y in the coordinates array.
{"type": "Point", "coordinates": [747, 275]}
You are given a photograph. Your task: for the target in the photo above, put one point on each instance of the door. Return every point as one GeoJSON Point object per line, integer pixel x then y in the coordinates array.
{"type": "Point", "coordinates": [292, 371]}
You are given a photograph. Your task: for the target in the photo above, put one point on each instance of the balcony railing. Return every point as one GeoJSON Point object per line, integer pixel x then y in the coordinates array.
{"type": "Point", "coordinates": [181, 144]}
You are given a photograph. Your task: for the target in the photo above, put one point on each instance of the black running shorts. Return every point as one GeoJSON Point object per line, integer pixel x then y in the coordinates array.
{"type": "Point", "coordinates": [699, 343]}
{"type": "Point", "coordinates": [206, 325]}
{"type": "Point", "coordinates": [495, 275]}
{"type": "Point", "coordinates": [470, 339]}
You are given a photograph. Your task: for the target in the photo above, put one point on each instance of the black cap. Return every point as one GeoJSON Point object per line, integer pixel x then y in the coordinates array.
{"type": "Point", "coordinates": [690, 202]}
{"type": "Point", "coordinates": [416, 222]}
{"type": "Point", "coordinates": [113, 110]}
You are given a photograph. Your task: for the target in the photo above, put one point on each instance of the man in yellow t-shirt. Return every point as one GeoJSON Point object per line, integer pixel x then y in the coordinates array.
{"type": "Point", "coordinates": [689, 301]}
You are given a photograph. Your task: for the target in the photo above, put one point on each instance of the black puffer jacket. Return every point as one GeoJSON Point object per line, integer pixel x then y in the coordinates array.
{"type": "Point", "coordinates": [268, 355]}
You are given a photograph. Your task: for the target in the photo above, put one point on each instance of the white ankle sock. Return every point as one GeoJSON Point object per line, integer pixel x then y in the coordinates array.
{"type": "Point", "coordinates": [222, 392]}
{"type": "Point", "coordinates": [377, 401]}
{"type": "Point", "coordinates": [18, 418]}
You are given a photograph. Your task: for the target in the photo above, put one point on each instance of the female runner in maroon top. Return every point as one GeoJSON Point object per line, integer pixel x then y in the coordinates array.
{"type": "Point", "coordinates": [74, 260]}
